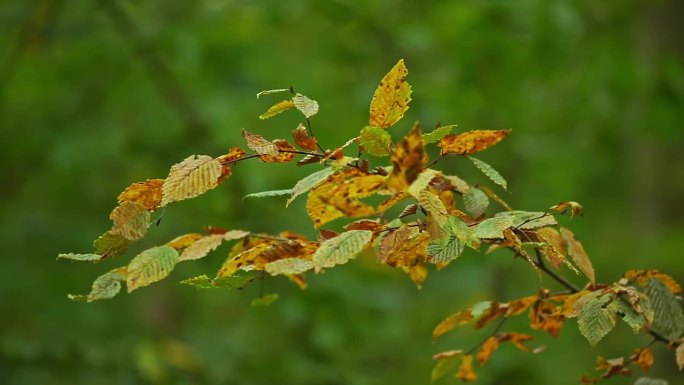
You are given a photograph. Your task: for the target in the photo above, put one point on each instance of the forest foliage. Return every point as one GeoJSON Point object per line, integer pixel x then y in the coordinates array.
{"type": "Point", "coordinates": [404, 212]}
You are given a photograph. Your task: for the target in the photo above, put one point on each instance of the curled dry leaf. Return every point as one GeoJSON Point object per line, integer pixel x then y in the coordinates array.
{"type": "Point", "coordinates": [303, 140]}
{"type": "Point", "coordinates": [575, 208]}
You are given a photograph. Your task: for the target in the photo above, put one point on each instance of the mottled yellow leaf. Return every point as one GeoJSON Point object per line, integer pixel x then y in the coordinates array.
{"type": "Point", "coordinates": [193, 176]}
{"type": "Point", "coordinates": [578, 255]}
{"type": "Point", "coordinates": [285, 153]}
{"type": "Point", "coordinates": [183, 241]}
{"type": "Point", "coordinates": [407, 160]}
{"type": "Point", "coordinates": [471, 142]}
{"type": "Point", "coordinates": [465, 371]}
{"type": "Point", "coordinates": [150, 266]}
{"type": "Point", "coordinates": [131, 220]}
{"type": "Point", "coordinates": [148, 193]}
{"type": "Point", "coordinates": [391, 98]}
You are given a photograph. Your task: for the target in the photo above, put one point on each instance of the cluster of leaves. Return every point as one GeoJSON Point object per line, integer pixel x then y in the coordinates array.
{"type": "Point", "coordinates": [424, 216]}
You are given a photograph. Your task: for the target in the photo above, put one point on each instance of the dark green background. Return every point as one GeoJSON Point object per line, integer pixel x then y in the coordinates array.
{"type": "Point", "coordinates": [94, 97]}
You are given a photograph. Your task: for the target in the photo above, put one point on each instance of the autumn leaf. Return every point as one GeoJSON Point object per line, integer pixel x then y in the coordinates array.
{"type": "Point", "coordinates": [445, 363]}
{"type": "Point", "coordinates": [274, 91]}
{"type": "Point", "coordinates": [547, 317]}
{"type": "Point", "coordinates": [490, 345]}
{"type": "Point", "coordinates": [288, 266]}
{"type": "Point", "coordinates": [309, 182]}
{"type": "Point", "coordinates": [203, 246]}
{"type": "Point", "coordinates": [554, 250]}
{"type": "Point", "coordinates": [471, 142]}
{"type": "Point", "coordinates": [193, 176]}
{"type": "Point", "coordinates": [232, 156]}
{"type": "Point", "coordinates": [668, 314]}
{"type": "Point", "coordinates": [131, 220]}
{"type": "Point", "coordinates": [258, 144]}
{"type": "Point", "coordinates": [642, 358]}
{"type": "Point", "coordinates": [303, 140]}
{"type": "Point", "coordinates": [306, 106]}
{"type": "Point", "coordinates": [150, 266]}
{"type": "Point", "coordinates": [277, 108]}
{"type": "Point", "coordinates": [578, 255]}
{"type": "Point", "coordinates": [341, 249]}
{"type": "Point", "coordinates": [422, 182]}
{"type": "Point", "coordinates": [338, 197]}
{"type": "Point", "coordinates": [285, 153]}
{"type": "Point", "coordinates": [407, 161]}
{"type": "Point", "coordinates": [391, 98]}
{"type": "Point", "coordinates": [575, 208]}
{"type": "Point", "coordinates": [181, 242]}
{"type": "Point", "coordinates": [375, 141]}
{"type": "Point", "coordinates": [465, 371]}
{"type": "Point", "coordinates": [642, 277]}
{"type": "Point", "coordinates": [148, 193]}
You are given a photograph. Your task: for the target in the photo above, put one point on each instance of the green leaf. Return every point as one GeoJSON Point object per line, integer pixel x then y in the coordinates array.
{"type": "Point", "coordinates": [288, 266]}
{"type": "Point", "coordinates": [443, 366]}
{"type": "Point", "coordinates": [596, 317]}
{"type": "Point", "coordinates": [80, 257]}
{"type": "Point", "coordinates": [631, 317]}
{"type": "Point", "coordinates": [201, 282]}
{"type": "Point", "coordinates": [341, 249]}
{"type": "Point", "coordinates": [492, 228]}
{"type": "Point", "coordinates": [376, 141]}
{"type": "Point", "coordinates": [270, 92]}
{"type": "Point", "coordinates": [668, 318]}
{"type": "Point", "coordinates": [151, 266]}
{"type": "Point", "coordinates": [490, 172]}
{"type": "Point", "coordinates": [105, 286]}
{"type": "Point", "coordinates": [109, 245]}
{"type": "Point", "coordinates": [451, 245]}
{"type": "Point", "coordinates": [309, 182]}
{"type": "Point", "coordinates": [272, 193]}
{"type": "Point", "coordinates": [265, 300]}
{"type": "Point", "coordinates": [131, 220]}
{"type": "Point", "coordinates": [308, 107]}
{"type": "Point", "coordinates": [476, 202]}
{"type": "Point", "coordinates": [437, 134]}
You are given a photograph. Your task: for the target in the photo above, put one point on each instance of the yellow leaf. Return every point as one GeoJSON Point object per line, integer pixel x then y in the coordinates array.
{"type": "Point", "coordinates": [147, 193]}
{"type": "Point", "coordinates": [465, 371]}
{"type": "Point", "coordinates": [579, 256]}
{"type": "Point", "coordinates": [277, 109]}
{"type": "Point", "coordinates": [642, 358]}
{"type": "Point", "coordinates": [258, 256]}
{"type": "Point", "coordinates": [201, 247]}
{"type": "Point", "coordinates": [336, 198]}
{"type": "Point", "coordinates": [391, 98]}
{"type": "Point", "coordinates": [303, 140]}
{"type": "Point", "coordinates": [407, 160]}
{"type": "Point", "coordinates": [308, 107]}
{"type": "Point", "coordinates": [490, 345]}
{"type": "Point", "coordinates": [193, 176]}
{"type": "Point", "coordinates": [131, 220]}
{"type": "Point", "coordinates": [471, 142]}
{"type": "Point", "coordinates": [288, 266]}
{"type": "Point", "coordinates": [679, 354]}
{"type": "Point", "coordinates": [410, 252]}
{"type": "Point", "coordinates": [642, 277]}
{"type": "Point", "coordinates": [554, 251]}
{"type": "Point", "coordinates": [258, 144]}
{"type": "Point", "coordinates": [456, 319]}
{"type": "Point", "coordinates": [183, 241]}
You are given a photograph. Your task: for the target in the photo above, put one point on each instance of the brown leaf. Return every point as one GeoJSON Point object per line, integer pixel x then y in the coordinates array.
{"type": "Point", "coordinates": [517, 339]}
{"type": "Point", "coordinates": [490, 345]}
{"type": "Point", "coordinates": [465, 371]}
{"type": "Point", "coordinates": [493, 312]}
{"type": "Point", "coordinates": [642, 276]}
{"type": "Point", "coordinates": [407, 160]}
{"type": "Point", "coordinates": [131, 220]}
{"type": "Point", "coordinates": [642, 358]}
{"type": "Point", "coordinates": [579, 256]}
{"type": "Point", "coordinates": [471, 142]}
{"type": "Point", "coordinates": [148, 193]}
{"type": "Point", "coordinates": [575, 208]}
{"type": "Point", "coordinates": [391, 98]}
{"type": "Point", "coordinates": [303, 140]}
{"type": "Point", "coordinates": [283, 155]}
{"type": "Point", "coordinates": [544, 316]}
{"type": "Point", "coordinates": [518, 306]}
{"type": "Point", "coordinates": [233, 155]}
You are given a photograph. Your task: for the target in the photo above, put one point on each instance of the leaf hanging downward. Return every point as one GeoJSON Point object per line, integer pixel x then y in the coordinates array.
{"type": "Point", "coordinates": [596, 317]}
{"type": "Point", "coordinates": [193, 176]}
{"type": "Point", "coordinates": [471, 142]}
{"type": "Point", "coordinates": [151, 266]}
{"type": "Point", "coordinates": [391, 98]}
{"type": "Point", "coordinates": [341, 249]}
{"type": "Point", "coordinates": [578, 255]}
{"type": "Point", "coordinates": [407, 160]}
{"type": "Point", "coordinates": [277, 108]}
{"type": "Point", "coordinates": [303, 140]}
{"type": "Point", "coordinates": [105, 286]}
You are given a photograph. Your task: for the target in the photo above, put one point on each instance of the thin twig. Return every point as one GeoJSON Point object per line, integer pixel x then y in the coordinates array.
{"type": "Point", "coordinates": [493, 333]}
{"type": "Point", "coordinates": [435, 160]}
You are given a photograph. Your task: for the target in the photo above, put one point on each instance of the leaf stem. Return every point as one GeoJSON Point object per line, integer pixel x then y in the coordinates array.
{"type": "Point", "coordinates": [435, 160]}
{"type": "Point", "coordinates": [493, 333]}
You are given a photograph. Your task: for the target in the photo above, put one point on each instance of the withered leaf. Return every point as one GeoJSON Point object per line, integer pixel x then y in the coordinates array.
{"type": "Point", "coordinates": [285, 153]}
{"type": "Point", "coordinates": [148, 193]}
{"type": "Point", "coordinates": [407, 160]}
{"type": "Point", "coordinates": [471, 142]}
{"type": "Point", "coordinates": [131, 220]}
{"type": "Point", "coordinates": [303, 140]}
{"type": "Point", "coordinates": [578, 255]}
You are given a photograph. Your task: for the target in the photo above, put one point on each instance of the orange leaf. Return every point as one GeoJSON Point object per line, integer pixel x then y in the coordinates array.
{"type": "Point", "coordinates": [456, 319]}
{"type": "Point", "coordinates": [303, 140]}
{"type": "Point", "coordinates": [407, 160]}
{"type": "Point", "coordinates": [544, 316]}
{"type": "Point", "coordinates": [492, 313]}
{"type": "Point", "coordinates": [516, 339]}
{"type": "Point", "coordinates": [471, 142]}
{"type": "Point", "coordinates": [642, 277]}
{"type": "Point", "coordinates": [147, 193]}
{"type": "Point", "coordinates": [518, 306]}
{"type": "Point", "coordinates": [642, 358]}
{"type": "Point", "coordinates": [283, 153]}
{"type": "Point", "coordinates": [579, 256]}
{"type": "Point", "coordinates": [391, 98]}
{"type": "Point", "coordinates": [233, 154]}
{"type": "Point", "coordinates": [490, 345]}
{"type": "Point", "coordinates": [465, 371]}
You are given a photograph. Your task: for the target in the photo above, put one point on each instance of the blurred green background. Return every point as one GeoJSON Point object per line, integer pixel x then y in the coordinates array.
{"type": "Point", "coordinates": [95, 95]}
